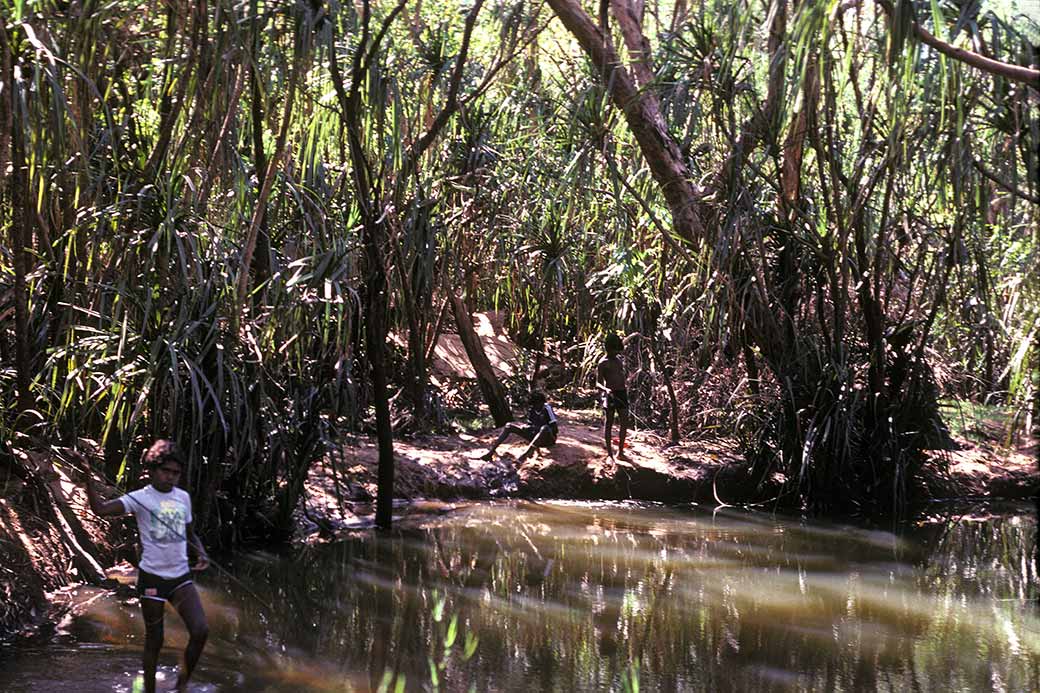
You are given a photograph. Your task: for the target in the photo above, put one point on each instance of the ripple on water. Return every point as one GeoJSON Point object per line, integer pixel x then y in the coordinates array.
{"type": "Point", "coordinates": [520, 596]}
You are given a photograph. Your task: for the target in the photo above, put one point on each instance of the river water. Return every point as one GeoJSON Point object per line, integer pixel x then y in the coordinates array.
{"type": "Point", "coordinates": [517, 596]}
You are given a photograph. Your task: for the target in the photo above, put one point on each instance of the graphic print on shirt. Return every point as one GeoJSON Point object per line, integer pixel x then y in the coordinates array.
{"type": "Point", "coordinates": [167, 524]}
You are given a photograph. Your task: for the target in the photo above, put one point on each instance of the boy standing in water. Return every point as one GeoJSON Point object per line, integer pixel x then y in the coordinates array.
{"type": "Point", "coordinates": [541, 429]}
{"type": "Point", "coordinates": [163, 514]}
{"type": "Point", "coordinates": [612, 379]}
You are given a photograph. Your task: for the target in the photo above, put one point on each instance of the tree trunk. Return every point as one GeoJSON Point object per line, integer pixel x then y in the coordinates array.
{"type": "Point", "coordinates": [374, 239]}
{"type": "Point", "coordinates": [171, 104]}
{"type": "Point", "coordinates": [490, 387]}
{"type": "Point", "coordinates": [1016, 73]}
{"type": "Point", "coordinates": [6, 101]}
{"type": "Point", "coordinates": [375, 345]}
{"type": "Point", "coordinates": [73, 535]}
{"type": "Point", "coordinates": [262, 260]}
{"type": "Point", "coordinates": [642, 111]}
{"type": "Point", "coordinates": [413, 304]}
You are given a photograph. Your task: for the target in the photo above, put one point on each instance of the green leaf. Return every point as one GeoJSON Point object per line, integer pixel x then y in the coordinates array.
{"type": "Point", "coordinates": [470, 646]}
{"type": "Point", "coordinates": [435, 679]}
{"type": "Point", "coordinates": [384, 683]}
{"type": "Point", "coordinates": [449, 637]}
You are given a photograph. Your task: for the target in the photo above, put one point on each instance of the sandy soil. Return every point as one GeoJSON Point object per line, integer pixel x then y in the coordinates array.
{"type": "Point", "coordinates": [449, 468]}
{"type": "Point", "coordinates": [986, 468]}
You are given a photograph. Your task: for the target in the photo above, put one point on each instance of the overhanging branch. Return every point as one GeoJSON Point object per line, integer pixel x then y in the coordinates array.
{"type": "Point", "coordinates": [1004, 184]}
{"type": "Point", "coordinates": [1015, 73]}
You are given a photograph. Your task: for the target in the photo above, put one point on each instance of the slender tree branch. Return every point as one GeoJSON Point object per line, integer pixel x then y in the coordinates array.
{"type": "Point", "coordinates": [1004, 184]}
{"type": "Point", "coordinates": [268, 182]}
{"type": "Point", "coordinates": [642, 111]}
{"type": "Point", "coordinates": [452, 102]}
{"type": "Point", "coordinates": [497, 66]}
{"type": "Point", "coordinates": [638, 47]}
{"type": "Point", "coordinates": [1015, 73]}
{"type": "Point", "coordinates": [218, 144]}
{"type": "Point", "coordinates": [370, 52]}
{"type": "Point", "coordinates": [666, 235]}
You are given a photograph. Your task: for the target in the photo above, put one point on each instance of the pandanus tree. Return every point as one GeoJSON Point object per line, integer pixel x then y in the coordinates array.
{"type": "Point", "coordinates": [137, 195]}
{"type": "Point", "coordinates": [215, 214]}
{"type": "Point", "coordinates": [836, 216]}
{"type": "Point", "coordinates": [394, 128]}
{"type": "Point", "coordinates": [196, 243]}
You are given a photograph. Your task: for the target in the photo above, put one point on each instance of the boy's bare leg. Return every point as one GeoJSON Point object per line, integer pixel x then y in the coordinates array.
{"type": "Point", "coordinates": [152, 613]}
{"type": "Point", "coordinates": [608, 427]}
{"type": "Point", "coordinates": [498, 441]}
{"type": "Point", "coordinates": [506, 430]}
{"type": "Point", "coordinates": [189, 606]}
{"type": "Point", "coordinates": [622, 430]}
{"type": "Point", "coordinates": [541, 439]}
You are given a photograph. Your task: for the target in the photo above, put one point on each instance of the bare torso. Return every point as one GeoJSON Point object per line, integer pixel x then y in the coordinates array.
{"type": "Point", "coordinates": [611, 373]}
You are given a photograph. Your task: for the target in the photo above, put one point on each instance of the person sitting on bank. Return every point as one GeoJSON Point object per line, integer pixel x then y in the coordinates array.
{"type": "Point", "coordinates": [164, 521]}
{"type": "Point", "coordinates": [540, 432]}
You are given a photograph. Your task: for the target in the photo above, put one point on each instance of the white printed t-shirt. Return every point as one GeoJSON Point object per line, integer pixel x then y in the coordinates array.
{"type": "Point", "coordinates": [162, 520]}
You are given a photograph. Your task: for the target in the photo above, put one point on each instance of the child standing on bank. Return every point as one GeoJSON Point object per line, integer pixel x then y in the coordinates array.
{"type": "Point", "coordinates": [164, 520]}
{"type": "Point", "coordinates": [612, 379]}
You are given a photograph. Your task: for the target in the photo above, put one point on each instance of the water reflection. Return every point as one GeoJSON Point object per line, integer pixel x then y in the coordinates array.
{"type": "Point", "coordinates": [580, 597]}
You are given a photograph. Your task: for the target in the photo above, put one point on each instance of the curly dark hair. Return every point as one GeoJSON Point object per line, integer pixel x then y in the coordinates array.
{"type": "Point", "coordinates": [162, 451]}
{"type": "Point", "coordinates": [612, 342]}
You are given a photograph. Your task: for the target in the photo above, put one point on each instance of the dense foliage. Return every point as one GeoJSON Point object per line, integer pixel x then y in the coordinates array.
{"type": "Point", "coordinates": [215, 213]}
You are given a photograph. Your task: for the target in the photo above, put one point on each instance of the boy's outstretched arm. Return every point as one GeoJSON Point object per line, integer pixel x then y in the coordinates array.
{"type": "Point", "coordinates": [101, 507]}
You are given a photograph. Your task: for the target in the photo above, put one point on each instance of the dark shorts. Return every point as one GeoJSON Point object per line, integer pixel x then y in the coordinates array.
{"type": "Point", "coordinates": [616, 399]}
{"type": "Point", "coordinates": [532, 431]}
{"type": "Point", "coordinates": [159, 588]}
{"type": "Point", "coordinates": [529, 432]}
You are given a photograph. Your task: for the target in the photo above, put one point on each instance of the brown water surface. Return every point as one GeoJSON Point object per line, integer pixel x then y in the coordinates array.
{"type": "Point", "coordinates": [600, 597]}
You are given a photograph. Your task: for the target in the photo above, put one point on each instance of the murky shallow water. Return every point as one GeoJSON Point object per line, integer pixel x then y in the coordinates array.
{"type": "Point", "coordinates": [601, 597]}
